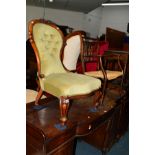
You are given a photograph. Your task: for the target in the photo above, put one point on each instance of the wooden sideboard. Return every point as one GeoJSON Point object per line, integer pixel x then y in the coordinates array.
{"type": "Point", "coordinates": [112, 129]}
{"type": "Point", "coordinates": [41, 134]}
{"type": "Point", "coordinates": [100, 129]}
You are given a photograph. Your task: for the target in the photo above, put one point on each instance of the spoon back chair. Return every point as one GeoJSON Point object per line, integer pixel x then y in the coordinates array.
{"type": "Point", "coordinates": [48, 43]}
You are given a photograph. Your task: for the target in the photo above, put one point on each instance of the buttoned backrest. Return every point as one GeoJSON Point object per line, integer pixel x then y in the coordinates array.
{"type": "Point", "coordinates": [49, 42]}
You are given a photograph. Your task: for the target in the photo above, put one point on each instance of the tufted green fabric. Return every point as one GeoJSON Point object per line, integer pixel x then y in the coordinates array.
{"type": "Point", "coordinates": [70, 84]}
{"type": "Point", "coordinates": [57, 80]}
{"type": "Point", "coordinates": [49, 42]}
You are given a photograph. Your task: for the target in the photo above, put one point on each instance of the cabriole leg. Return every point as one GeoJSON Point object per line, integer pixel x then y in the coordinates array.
{"type": "Point", "coordinates": [64, 106]}
{"type": "Point", "coordinates": [97, 98]}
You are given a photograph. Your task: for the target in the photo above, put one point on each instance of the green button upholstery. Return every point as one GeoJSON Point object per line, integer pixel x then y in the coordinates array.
{"type": "Point", "coordinates": [48, 42]}
{"type": "Point", "coordinates": [57, 81]}
{"type": "Point", "coordinates": [70, 84]}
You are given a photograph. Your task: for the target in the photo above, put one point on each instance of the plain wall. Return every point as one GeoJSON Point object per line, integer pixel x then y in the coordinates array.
{"type": "Point", "coordinates": [60, 17]}
{"type": "Point", "coordinates": [94, 22]}
{"type": "Point", "coordinates": [116, 17]}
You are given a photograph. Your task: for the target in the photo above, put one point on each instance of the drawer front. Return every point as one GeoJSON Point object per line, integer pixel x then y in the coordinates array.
{"type": "Point", "coordinates": [53, 144]}
{"type": "Point", "coordinates": [64, 149]}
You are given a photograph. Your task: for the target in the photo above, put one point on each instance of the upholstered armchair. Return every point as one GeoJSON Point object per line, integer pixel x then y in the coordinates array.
{"type": "Point", "coordinates": [72, 51]}
{"type": "Point", "coordinates": [48, 43]}
{"type": "Point", "coordinates": [77, 45]}
{"type": "Point", "coordinates": [85, 55]}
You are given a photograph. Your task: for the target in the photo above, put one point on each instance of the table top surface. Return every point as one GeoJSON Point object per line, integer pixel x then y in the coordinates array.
{"type": "Point", "coordinates": [79, 115]}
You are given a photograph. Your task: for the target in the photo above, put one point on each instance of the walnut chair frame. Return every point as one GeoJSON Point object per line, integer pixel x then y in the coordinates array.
{"type": "Point", "coordinates": [71, 56]}
{"type": "Point", "coordinates": [74, 90]}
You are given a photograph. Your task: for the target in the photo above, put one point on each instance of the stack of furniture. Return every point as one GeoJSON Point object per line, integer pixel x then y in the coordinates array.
{"type": "Point", "coordinates": [100, 129]}
{"type": "Point", "coordinates": [53, 128]}
{"type": "Point", "coordinates": [47, 41]}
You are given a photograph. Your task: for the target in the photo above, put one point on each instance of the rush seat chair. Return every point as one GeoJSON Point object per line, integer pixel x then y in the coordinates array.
{"type": "Point", "coordinates": [101, 60]}
{"type": "Point", "coordinates": [48, 43]}
{"type": "Point", "coordinates": [110, 74]}
{"type": "Point", "coordinates": [103, 72]}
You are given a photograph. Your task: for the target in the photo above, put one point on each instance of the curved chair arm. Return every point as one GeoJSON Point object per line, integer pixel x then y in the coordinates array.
{"type": "Point", "coordinates": [104, 74]}
{"type": "Point", "coordinates": [99, 57]}
{"type": "Point", "coordinates": [113, 57]}
{"type": "Point", "coordinates": [41, 76]}
{"type": "Point", "coordinates": [119, 55]}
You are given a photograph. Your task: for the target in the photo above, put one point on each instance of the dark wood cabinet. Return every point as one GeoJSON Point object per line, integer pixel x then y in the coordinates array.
{"type": "Point", "coordinates": [42, 138]}
{"type": "Point", "coordinates": [100, 129]}
{"type": "Point", "coordinates": [112, 129]}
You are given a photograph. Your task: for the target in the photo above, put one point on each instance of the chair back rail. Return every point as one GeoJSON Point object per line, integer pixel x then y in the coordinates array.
{"type": "Point", "coordinates": [92, 47]}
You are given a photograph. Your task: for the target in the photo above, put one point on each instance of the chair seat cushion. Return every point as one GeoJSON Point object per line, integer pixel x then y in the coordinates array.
{"type": "Point", "coordinates": [70, 84]}
{"type": "Point", "coordinates": [110, 74]}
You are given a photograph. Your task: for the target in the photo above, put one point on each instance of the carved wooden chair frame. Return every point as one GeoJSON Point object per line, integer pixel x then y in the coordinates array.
{"type": "Point", "coordinates": [69, 36]}
{"type": "Point", "coordinates": [64, 100]}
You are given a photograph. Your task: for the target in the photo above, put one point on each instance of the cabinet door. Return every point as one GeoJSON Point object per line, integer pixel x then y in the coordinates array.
{"type": "Point", "coordinates": [124, 119]}
{"type": "Point", "coordinates": [98, 136]}
{"type": "Point", "coordinates": [66, 149]}
{"type": "Point", "coordinates": [113, 129]}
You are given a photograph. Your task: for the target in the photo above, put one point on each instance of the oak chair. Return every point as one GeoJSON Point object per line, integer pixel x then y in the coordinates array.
{"type": "Point", "coordinates": [109, 74]}
{"type": "Point", "coordinates": [102, 61]}
{"type": "Point", "coordinates": [116, 62]}
{"type": "Point", "coordinates": [48, 43]}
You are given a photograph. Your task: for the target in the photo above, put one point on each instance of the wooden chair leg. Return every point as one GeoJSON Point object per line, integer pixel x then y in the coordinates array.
{"type": "Point", "coordinates": [97, 98]}
{"type": "Point", "coordinates": [39, 95]}
{"type": "Point", "coordinates": [104, 87]}
{"type": "Point", "coordinates": [101, 99]}
{"type": "Point", "coordinates": [64, 106]}
{"type": "Point", "coordinates": [38, 84]}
